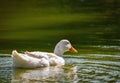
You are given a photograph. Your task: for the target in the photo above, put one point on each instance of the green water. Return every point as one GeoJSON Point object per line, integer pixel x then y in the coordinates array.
{"type": "Point", "coordinates": [91, 26]}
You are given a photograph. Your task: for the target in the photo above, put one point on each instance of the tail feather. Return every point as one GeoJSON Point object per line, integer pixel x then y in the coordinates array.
{"type": "Point", "coordinates": [18, 56]}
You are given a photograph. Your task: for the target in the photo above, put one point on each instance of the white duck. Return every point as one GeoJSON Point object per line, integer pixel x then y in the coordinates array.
{"type": "Point", "coordinates": [42, 59]}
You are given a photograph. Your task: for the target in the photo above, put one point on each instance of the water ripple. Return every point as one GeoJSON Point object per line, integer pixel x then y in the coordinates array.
{"type": "Point", "coordinates": [89, 68]}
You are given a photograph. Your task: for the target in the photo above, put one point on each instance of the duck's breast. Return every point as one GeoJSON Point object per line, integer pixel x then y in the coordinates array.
{"type": "Point", "coordinates": [56, 60]}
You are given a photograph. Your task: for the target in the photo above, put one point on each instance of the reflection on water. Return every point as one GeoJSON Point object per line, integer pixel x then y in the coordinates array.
{"type": "Point", "coordinates": [85, 68]}
{"type": "Point", "coordinates": [48, 74]}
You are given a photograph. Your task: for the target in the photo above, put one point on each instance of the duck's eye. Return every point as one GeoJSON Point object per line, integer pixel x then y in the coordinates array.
{"type": "Point", "coordinates": [67, 43]}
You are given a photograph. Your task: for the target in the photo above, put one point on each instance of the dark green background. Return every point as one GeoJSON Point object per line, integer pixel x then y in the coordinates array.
{"type": "Point", "coordinates": [40, 24]}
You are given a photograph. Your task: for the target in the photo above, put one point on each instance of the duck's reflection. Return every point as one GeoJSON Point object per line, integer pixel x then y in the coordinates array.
{"type": "Point", "coordinates": [48, 74]}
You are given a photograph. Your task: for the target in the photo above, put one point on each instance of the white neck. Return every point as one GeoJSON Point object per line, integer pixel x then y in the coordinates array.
{"type": "Point", "coordinates": [58, 51]}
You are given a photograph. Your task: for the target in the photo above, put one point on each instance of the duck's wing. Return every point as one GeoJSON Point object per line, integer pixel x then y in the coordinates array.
{"type": "Point", "coordinates": [25, 61]}
{"type": "Point", "coordinates": [37, 54]}
{"type": "Point", "coordinates": [52, 55]}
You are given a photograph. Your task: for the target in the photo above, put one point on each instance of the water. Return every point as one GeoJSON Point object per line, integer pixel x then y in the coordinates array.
{"type": "Point", "coordinates": [80, 68]}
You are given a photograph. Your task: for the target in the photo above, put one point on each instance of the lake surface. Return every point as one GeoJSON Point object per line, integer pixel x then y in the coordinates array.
{"type": "Point", "coordinates": [89, 68]}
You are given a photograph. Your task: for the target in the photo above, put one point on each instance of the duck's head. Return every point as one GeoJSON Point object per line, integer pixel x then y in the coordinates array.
{"type": "Point", "coordinates": [64, 46]}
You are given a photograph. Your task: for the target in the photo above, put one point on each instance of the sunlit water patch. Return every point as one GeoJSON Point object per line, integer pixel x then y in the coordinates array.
{"type": "Point", "coordinates": [105, 46]}
{"type": "Point", "coordinates": [85, 68]}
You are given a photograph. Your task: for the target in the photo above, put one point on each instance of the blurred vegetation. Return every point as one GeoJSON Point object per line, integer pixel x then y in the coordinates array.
{"type": "Point", "coordinates": [41, 23]}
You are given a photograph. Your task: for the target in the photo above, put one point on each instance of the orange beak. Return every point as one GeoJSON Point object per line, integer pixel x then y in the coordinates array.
{"type": "Point", "coordinates": [73, 50]}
